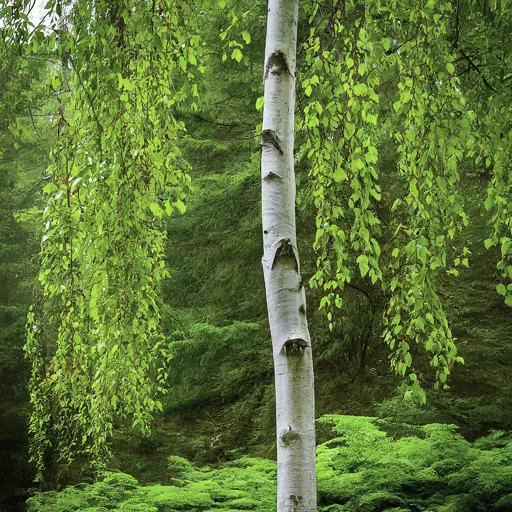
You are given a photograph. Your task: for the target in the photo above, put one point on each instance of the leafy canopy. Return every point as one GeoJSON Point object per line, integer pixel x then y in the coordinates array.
{"type": "Point", "coordinates": [374, 71]}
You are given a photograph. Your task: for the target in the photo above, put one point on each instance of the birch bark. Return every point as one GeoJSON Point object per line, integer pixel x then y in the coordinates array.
{"type": "Point", "coordinates": [286, 302]}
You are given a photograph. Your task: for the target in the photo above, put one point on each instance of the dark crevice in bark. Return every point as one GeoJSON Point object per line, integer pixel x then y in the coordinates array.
{"type": "Point", "coordinates": [269, 138]}
{"type": "Point", "coordinates": [296, 502]}
{"type": "Point", "coordinates": [294, 347]}
{"type": "Point", "coordinates": [272, 175]}
{"type": "Point", "coordinates": [277, 64]}
{"type": "Point", "coordinates": [286, 249]}
{"type": "Point", "coordinates": [289, 436]}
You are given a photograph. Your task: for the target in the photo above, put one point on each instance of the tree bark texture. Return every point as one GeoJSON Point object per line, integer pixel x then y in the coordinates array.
{"type": "Point", "coordinates": [286, 302]}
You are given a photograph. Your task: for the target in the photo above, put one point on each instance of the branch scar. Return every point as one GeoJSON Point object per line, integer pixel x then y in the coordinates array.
{"type": "Point", "coordinates": [269, 139]}
{"type": "Point", "coordinates": [277, 65]}
{"type": "Point", "coordinates": [285, 248]}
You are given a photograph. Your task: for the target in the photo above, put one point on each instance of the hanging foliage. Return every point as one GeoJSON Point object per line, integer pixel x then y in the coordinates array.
{"type": "Point", "coordinates": [359, 56]}
{"type": "Point", "coordinates": [94, 339]}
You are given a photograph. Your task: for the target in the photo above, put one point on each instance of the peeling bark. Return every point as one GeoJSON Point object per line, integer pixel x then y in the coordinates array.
{"type": "Point", "coordinates": [286, 302]}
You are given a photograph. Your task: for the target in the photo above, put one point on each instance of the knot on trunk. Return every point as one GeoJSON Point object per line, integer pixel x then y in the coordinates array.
{"type": "Point", "coordinates": [270, 139]}
{"type": "Point", "coordinates": [276, 64]}
{"type": "Point", "coordinates": [272, 176]}
{"type": "Point", "coordinates": [294, 347]}
{"type": "Point", "coordinates": [285, 249]}
{"type": "Point", "coordinates": [296, 502]}
{"type": "Point", "coordinates": [289, 436]}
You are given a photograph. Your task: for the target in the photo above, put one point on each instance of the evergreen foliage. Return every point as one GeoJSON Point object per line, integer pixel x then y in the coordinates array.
{"type": "Point", "coordinates": [363, 469]}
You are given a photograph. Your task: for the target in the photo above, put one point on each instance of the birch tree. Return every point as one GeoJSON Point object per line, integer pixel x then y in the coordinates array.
{"type": "Point", "coordinates": [293, 363]}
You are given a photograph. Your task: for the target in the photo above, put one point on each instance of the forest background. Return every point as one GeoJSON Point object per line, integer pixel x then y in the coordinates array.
{"type": "Point", "coordinates": [220, 404]}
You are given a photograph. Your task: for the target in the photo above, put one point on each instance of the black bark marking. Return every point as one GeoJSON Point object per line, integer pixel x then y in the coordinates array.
{"type": "Point", "coordinates": [302, 309]}
{"type": "Point", "coordinates": [286, 250]}
{"type": "Point", "coordinates": [272, 175]}
{"type": "Point", "coordinates": [269, 138]}
{"type": "Point", "coordinates": [289, 436]}
{"type": "Point", "coordinates": [277, 64]}
{"type": "Point", "coordinates": [294, 347]}
{"type": "Point", "coordinates": [297, 501]}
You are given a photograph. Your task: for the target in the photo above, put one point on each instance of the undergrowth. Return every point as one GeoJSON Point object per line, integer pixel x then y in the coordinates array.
{"type": "Point", "coordinates": [367, 467]}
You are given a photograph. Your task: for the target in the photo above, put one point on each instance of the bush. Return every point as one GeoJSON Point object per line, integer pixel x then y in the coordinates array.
{"type": "Point", "coordinates": [363, 469]}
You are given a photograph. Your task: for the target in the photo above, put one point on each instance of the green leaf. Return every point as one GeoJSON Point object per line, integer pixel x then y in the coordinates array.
{"type": "Point", "coordinates": [376, 194]}
{"type": "Point", "coordinates": [501, 289]}
{"type": "Point", "coordinates": [182, 208]}
{"type": "Point", "coordinates": [237, 55]}
{"type": "Point", "coordinates": [422, 254]}
{"type": "Point", "coordinates": [351, 128]}
{"type": "Point", "coordinates": [192, 58]}
{"type": "Point", "coordinates": [362, 260]}
{"type": "Point", "coordinates": [127, 84]}
{"type": "Point", "coordinates": [55, 81]}
{"type": "Point", "coordinates": [360, 89]}
{"type": "Point", "coordinates": [246, 37]}
{"type": "Point", "coordinates": [339, 175]}
{"type": "Point", "coordinates": [156, 209]}
{"type": "Point", "coordinates": [50, 188]}
{"type": "Point", "coordinates": [450, 68]}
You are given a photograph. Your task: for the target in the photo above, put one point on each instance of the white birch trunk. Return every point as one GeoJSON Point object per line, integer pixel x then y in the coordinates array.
{"type": "Point", "coordinates": [293, 362]}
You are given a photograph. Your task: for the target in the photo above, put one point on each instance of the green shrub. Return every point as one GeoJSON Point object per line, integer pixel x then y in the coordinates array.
{"type": "Point", "coordinates": [363, 469]}
{"type": "Point", "coordinates": [168, 499]}
{"type": "Point", "coordinates": [179, 466]}
{"type": "Point", "coordinates": [120, 481]}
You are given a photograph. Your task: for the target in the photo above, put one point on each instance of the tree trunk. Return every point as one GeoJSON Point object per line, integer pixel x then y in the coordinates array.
{"type": "Point", "coordinates": [286, 302]}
